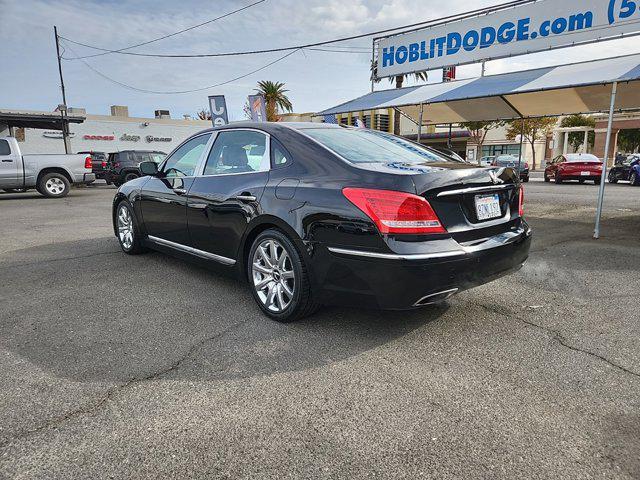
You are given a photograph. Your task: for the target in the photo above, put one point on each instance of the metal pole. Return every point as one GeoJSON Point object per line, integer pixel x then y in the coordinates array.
{"type": "Point", "coordinates": [449, 140]}
{"type": "Point", "coordinates": [65, 137]}
{"type": "Point", "coordinates": [614, 91]}
{"type": "Point", "coordinates": [373, 62]}
{"type": "Point", "coordinates": [521, 142]}
{"type": "Point", "coordinates": [420, 122]}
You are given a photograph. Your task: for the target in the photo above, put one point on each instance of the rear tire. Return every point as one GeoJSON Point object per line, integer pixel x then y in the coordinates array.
{"type": "Point", "coordinates": [54, 185]}
{"type": "Point", "coordinates": [546, 179]}
{"type": "Point", "coordinates": [633, 179]}
{"type": "Point", "coordinates": [612, 178]}
{"type": "Point", "coordinates": [279, 278]}
{"type": "Point", "coordinates": [558, 179]}
{"type": "Point", "coordinates": [129, 233]}
{"type": "Point", "coordinates": [130, 176]}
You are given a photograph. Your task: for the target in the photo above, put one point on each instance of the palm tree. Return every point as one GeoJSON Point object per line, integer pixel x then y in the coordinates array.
{"type": "Point", "coordinates": [275, 98]}
{"type": "Point", "coordinates": [399, 80]}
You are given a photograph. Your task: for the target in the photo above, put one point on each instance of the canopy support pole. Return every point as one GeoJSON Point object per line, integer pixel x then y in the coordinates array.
{"type": "Point", "coordinates": [605, 162]}
{"type": "Point", "coordinates": [521, 142]}
{"type": "Point", "coordinates": [420, 122]}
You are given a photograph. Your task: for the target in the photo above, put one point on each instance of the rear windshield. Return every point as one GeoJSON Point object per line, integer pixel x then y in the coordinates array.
{"type": "Point", "coordinates": [372, 146]}
{"type": "Point", "coordinates": [582, 158]}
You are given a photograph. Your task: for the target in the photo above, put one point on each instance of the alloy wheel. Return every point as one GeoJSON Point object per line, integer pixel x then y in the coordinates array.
{"type": "Point", "coordinates": [54, 186]}
{"type": "Point", "coordinates": [125, 227]}
{"type": "Point", "coordinates": [273, 276]}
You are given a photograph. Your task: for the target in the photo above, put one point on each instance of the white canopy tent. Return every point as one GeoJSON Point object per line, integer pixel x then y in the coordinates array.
{"type": "Point", "coordinates": [587, 87]}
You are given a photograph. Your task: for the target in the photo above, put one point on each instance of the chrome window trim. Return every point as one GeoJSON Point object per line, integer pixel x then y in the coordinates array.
{"type": "Point", "coordinates": [191, 250]}
{"type": "Point", "coordinates": [266, 160]}
{"type": "Point", "coordinates": [392, 256]}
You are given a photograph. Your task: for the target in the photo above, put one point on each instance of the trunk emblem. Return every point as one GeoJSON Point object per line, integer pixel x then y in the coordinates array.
{"type": "Point", "coordinates": [494, 178]}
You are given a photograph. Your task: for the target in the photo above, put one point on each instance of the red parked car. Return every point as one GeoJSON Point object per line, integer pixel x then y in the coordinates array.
{"type": "Point", "coordinates": [574, 166]}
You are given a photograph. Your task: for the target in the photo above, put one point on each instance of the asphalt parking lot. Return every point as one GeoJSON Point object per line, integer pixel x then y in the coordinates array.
{"type": "Point", "coordinates": [115, 366]}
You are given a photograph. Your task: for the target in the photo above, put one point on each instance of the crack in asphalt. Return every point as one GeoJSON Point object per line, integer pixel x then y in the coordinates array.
{"type": "Point", "coordinates": [111, 392]}
{"type": "Point", "coordinates": [557, 336]}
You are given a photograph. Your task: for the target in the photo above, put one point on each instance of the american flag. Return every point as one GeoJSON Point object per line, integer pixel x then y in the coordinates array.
{"type": "Point", "coordinates": [330, 119]}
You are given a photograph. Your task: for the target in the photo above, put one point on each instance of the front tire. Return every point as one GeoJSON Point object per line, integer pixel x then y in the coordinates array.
{"type": "Point", "coordinates": [612, 178]}
{"type": "Point", "coordinates": [278, 278]}
{"type": "Point", "coordinates": [54, 185]}
{"type": "Point", "coordinates": [558, 179]}
{"type": "Point", "coordinates": [129, 235]}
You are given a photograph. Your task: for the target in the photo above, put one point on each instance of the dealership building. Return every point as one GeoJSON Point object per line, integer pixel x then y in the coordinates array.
{"type": "Point", "coordinates": [41, 132]}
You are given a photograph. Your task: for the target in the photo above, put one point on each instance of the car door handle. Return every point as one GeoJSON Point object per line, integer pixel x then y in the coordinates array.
{"type": "Point", "coordinates": [7, 160]}
{"type": "Point", "coordinates": [246, 198]}
{"type": "Point", "coordinates": [180, 191]}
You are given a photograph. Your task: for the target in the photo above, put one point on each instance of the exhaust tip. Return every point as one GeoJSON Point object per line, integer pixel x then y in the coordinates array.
{"type": "Point", "coordinates": [436, 297]}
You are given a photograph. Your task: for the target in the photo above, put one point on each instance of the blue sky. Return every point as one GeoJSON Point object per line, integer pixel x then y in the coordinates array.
{"type": "Point", "coordinates": [316, 80]}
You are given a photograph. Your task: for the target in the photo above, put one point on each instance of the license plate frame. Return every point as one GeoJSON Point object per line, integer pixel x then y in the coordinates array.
{"type": "Point", "coordinates": [488, 207]}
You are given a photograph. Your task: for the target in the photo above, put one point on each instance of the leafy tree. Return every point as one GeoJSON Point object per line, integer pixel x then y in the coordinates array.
{"type": "Point", "coordinates": [576, 139]}
{"type": "Point", "coordinates": [479, 131]}
{"type": "Point", "coordinates": [532, 129]}
{"type": "Point", "coordinates": [399, 81]}
{"type": "Point", "coordinates": [629, 140]}
{"type": "Point", "coordinates": [275, 98]}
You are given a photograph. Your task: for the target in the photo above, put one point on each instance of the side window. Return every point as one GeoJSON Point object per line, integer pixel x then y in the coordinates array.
{"type": "Point", "coordinates": [4, 148]}
{"type": "Point", "coordinates": [238, 151]}
{"type": "Point", "coordinates": [279, 156]}
{"type": "Point", "coordinates": [183, 161]}
{"type": "Point", "coordinates": [141, 157]}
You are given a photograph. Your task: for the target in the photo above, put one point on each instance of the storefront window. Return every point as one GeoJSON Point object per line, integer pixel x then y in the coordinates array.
{"type": "Point", "coordinates": [492, 150]}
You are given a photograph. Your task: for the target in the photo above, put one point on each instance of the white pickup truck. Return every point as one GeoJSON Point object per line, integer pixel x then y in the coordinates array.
{"type": "Point", "coordinates": [51, 175]}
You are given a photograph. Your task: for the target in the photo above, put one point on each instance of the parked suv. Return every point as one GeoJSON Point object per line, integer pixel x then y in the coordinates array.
{"type": "Point", "coordinates": [124, 166]}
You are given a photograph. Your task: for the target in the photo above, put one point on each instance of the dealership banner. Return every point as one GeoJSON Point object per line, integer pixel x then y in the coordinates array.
{"type": "Point", "coordinates": [533, 27]}
{"type": "Point", "coordinates": [218, 109]}
{"type": "Point", "coordinates": [258, 109]}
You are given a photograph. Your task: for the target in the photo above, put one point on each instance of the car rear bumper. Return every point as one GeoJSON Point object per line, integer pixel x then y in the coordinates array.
{"type": "Point", "coordinates": [84, 178]}
{"type": "Point", "coordinates": [401, 282]}
{"type": "Point", "coordinates": [592, 177]}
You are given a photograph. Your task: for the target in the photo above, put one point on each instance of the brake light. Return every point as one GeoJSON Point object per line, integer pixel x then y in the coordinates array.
{"type": "Point", "coordinates": [87, 162]}
{"type": "Point", "coordinates": [396, 212]}
{"type": "Point", "coordinates": [104, 164]}
{"type": "Point", "coordinates": [521, 201]}
{"type": "Point", "coordinates": [526, 166]}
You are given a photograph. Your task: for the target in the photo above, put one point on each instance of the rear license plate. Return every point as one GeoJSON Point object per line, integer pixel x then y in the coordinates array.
{"type": "Point", "coordinates": [585, 174]}
{"type": "Point", "coordinates": [488, 206]}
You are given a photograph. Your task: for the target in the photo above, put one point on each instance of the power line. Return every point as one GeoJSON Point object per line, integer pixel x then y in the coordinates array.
{"type": "Point", "coordinates": [309, 45]}
{"type": "Point", "coordinates": [121, 50]}
{"type": "Point", "coordinates": [142, 90]}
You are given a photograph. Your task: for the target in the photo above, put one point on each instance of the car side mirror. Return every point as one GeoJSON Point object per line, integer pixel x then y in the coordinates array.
{"type": "Point", "coordinates": [149, 168]}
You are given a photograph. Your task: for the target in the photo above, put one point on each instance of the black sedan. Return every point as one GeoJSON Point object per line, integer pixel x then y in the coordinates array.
{"type": "Point", "coordinates": [311, 214]}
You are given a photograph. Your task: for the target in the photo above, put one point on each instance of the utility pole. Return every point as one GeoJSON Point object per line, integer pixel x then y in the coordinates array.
{"type": "Point", "coordinates": [65, 129]}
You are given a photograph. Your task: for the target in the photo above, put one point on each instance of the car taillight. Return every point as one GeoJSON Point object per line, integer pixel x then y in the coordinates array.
{"type": "Point", "coordinates": [526, 166]}
{"type": "Point", "coordinates": [521, 201]}
{"type": "Point", "coordinates": [87, 162]}
{"type": "Point", "coordinates": [396, 212]}
{"type": "Point", "coordinates": [104, 164]}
